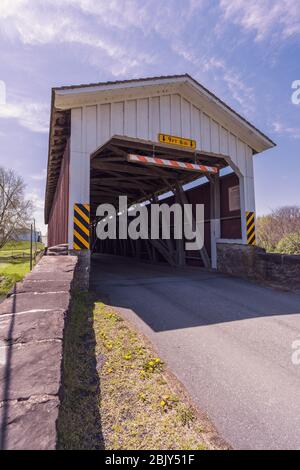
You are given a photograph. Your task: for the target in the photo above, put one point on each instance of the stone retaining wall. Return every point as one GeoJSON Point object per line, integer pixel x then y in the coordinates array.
{"type": "Point", "coordinates": [253, 262]}
{"type": "Point", "coordinates": [32, 320]}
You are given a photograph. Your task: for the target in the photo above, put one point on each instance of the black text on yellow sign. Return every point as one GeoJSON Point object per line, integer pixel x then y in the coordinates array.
{"type": "Point", "coordinates": [179, 141]}
{"type": "Point", "coordinates": [81, 227]}
{"type": "Point", "coordinates": [250, 227]}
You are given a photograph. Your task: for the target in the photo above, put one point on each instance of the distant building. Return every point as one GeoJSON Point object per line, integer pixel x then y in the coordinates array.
{"type": "Point", "coordinates": [24, 235]}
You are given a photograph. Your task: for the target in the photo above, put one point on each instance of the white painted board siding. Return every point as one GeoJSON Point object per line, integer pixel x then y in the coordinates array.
{"type": "Point", "coordinates": [130, 118]}
{"type": "Point", "coordinates": [176, 115]}
{"type": "Point", "coordinates": [172, 114]}
{"type": "Point", "coordinates": [117, 118]}
{"type": "Point", "coordinates": [144, 118]}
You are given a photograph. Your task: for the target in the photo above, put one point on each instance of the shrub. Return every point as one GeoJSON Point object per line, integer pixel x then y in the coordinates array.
{"type": "Point", "coordinates": [280, 223]}
{"type": "Point", "coordinates": [290, 244]}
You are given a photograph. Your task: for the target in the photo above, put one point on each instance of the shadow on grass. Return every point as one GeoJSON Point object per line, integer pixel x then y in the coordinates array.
{"type": "Point", "coordinates": [79, 423]}
{"type": "Point", "coordinates": [14, 260]}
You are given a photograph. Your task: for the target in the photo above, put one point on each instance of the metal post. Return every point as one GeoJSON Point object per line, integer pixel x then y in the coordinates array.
{"type": "Point", "coordinates": [35, 243]}
{"type": "Point", "coordinates": [30, 247]}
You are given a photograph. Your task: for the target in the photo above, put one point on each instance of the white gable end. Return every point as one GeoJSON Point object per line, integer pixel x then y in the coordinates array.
{"type": "Point", "coordinates": [145, 117]}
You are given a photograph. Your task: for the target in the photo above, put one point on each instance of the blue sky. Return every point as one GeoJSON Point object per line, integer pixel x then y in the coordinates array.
{"type": "Point", "coordinates": [245, 51]}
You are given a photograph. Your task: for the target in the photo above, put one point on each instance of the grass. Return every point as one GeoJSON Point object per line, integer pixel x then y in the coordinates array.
{"type": "Point", "coordinates": [118, 394]}
{"type": "Point", "coordinates": [14, 264]}
{"type": "Point", "coordinates": [11, 272]}
{"type": "Point", "coordinates": [18, 248]}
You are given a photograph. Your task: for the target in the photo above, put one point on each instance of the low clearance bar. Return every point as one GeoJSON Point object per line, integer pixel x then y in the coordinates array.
{"type": "Point", "coordinates": [176, 165]}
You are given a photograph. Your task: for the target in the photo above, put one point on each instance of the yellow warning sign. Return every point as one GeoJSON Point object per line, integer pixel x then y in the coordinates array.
{"type": "Point", "coordinates": [179, 141]}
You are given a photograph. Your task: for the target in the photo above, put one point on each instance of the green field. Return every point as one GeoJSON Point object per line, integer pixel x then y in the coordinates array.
{"type": "Point", "coordinates": [14, 263]}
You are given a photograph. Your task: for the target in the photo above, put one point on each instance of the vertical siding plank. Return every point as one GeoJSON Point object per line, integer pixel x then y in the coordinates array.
{"type": "Point", "coordinates": [165, 114]}
{"type": "Point", "coordinates": [143, 118]}
{"type": "Point", "coordinates": [175, 115]}
{"type": "Point", "coordinates": [117, 118]}
{"type": "Point", "coordinates": [76, 122]}
{"type": "Point", "coordinates": [196, 126]}
{"type": "Point", "coordinates": [103, 123]}
{"type": "Point", "coordinates": [224, 141]}
{"type": "Point", "coordinates": [206, 132]}
{"type": "Point", "coordinates": [155, 118]}
{"type": "Point", "coordinates": [58, 219]}
{"type": "Point", "coordinates": [215, 137]}
{"type": "Point", "coordinates": [130, 118]}
{"type": "Point", "coordinates": [241, 156]}
{"type": "Point", "coordinates": [233, 148]}
{"type": "Point", "coordinates": [249, 162]}
{"type": "Point", "coordinates": [91, 128]}
{"type": "Point", "coordinates": [186, 118]}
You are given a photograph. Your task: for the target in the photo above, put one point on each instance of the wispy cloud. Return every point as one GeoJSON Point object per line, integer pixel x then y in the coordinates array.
{"type": "Point", "coordinates": [264, 17]}
{"type": "Point", "coordinates": [242, 93]}
{"type": "Point", "coordinates": [32, 116]}
{"type": "Point", "coordinates": [284, 129]}
{"type": "Point", "coordinates": [85, 23]}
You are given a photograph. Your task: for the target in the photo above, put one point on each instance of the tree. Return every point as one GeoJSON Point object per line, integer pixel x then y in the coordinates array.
{"type": "Point", "coordinates": [15, 210]}
{"type": "Point", "coordinates": [274, 227]}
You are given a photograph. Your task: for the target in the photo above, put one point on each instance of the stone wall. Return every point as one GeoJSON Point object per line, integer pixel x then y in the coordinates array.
{"type": "Point", "coordinates": [254, 263]}
{"type": "Point", "coordinates": [32, 320]}
{"type": "Point", "coordinates": [283, 269]}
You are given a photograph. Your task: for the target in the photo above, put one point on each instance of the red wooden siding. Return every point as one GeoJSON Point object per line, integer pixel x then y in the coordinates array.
{"type": "Point", "coordinates": [58, 220]}
{"type": "Point", "coordinates": [230, 220]}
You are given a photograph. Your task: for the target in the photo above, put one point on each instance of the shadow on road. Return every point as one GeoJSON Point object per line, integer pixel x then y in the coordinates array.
{"type": "Point", "coordinates": [173, 298]}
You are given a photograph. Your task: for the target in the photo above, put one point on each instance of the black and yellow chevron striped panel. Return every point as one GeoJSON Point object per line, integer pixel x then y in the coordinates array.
{"type": "Point", "coordinates": [250, 227]}
{"type": "Point", "coordinates": [81, 227]}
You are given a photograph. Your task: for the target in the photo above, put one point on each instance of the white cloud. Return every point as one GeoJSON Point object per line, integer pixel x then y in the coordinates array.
{"type": "Point", "coordinates": [283, 129]}
{"type": "Point", "coordinates": [236, 86]}
{"type": "Point", "coordinates": [32, 116]}
{"type": "Point", "coordinates": [122, 31]}
{"type": "Point", "coordinates": [119, 36]}
{"type": "Point", "coordinates": [55, 22]}
{"type": "Point", "coordinates": [240, 92]}
{"type": "Point", "coordinates": [276, 18]}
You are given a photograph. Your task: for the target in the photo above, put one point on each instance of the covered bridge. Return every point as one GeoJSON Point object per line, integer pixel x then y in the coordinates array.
{"type": "Point", "coordinates": [176, 130]}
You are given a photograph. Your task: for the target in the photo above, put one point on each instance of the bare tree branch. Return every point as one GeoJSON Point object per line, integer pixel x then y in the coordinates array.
{"type": "Point", "coordinates": [15, 210]}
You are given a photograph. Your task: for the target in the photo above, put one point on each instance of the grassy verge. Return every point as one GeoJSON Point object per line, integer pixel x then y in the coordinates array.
{"type": "Point", "coordinates": [14, 264]}
{"type": "Point", "coordinates": [118, 394]}
{"type": "Point", "coordinates": [12, 271]}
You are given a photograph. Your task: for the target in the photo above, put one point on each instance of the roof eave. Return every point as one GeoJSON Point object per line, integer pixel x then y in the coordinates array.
{"type": "Point", "coordinates": [67, 97]}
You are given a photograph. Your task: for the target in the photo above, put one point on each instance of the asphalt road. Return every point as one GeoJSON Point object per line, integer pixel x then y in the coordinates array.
{"type": "Point", "coordinates": [229, 341]}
